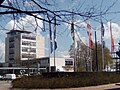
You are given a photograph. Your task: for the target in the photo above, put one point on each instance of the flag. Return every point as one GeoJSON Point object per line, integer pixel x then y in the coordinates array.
{"type": "Point", "coordinates": [112, 39]}
{"type": "Point", "coordinates": [55, 43]}
{"type": "Point", "coordinates": [102, 34]}
{"type": "Point", "coordinates": [90, 35]}
{"type": "Point", "coordinates": [72, 30]}
{"type": "Point", "coordinates": [112, 43]}
{"type": "Point", "coordinates": [51, 46]}
{"type": "Point", "coordinates": [102, 29]}
{"type": "Point", "coordinates": [50, 34]}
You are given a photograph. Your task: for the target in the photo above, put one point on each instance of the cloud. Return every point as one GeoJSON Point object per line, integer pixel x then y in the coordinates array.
{"type": "Point", "coordinates": [63, 54]}
{"type": "Point", "coordinates": [28, 23]}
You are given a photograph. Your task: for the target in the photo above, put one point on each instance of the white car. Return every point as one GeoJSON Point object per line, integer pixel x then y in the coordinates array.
{"type": "Point", "coordinates": [10, 76]}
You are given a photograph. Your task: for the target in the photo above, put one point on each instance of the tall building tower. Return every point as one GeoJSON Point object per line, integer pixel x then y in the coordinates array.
{"type": "Point", "coordinates": [23, 45]}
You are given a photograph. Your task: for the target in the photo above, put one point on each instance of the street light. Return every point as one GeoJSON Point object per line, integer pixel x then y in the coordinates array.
{"type": "Point", "coordinates": [28, 61]}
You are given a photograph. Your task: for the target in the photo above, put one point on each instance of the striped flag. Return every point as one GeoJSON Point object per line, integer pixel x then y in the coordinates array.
{"type": "Point", "coordinates": [90, 35]}
{"type": "Point", "coordinates": [55, 43]}
{"type": "Point", "coordinates": [112, 39]}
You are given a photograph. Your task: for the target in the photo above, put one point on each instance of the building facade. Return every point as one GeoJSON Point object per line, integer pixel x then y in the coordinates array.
{"type": "Point", "coordinates": [23, 45]}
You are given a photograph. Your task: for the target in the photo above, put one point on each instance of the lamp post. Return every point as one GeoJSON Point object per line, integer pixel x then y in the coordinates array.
{"type": "Point", "coordinates": [28, 61]}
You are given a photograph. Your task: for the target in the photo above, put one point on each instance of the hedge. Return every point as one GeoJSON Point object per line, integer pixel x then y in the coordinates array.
{"type": "Point", "coordinates": [66, 80]}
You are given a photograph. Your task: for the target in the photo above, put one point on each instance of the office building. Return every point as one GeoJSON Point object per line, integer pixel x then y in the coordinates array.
{"type": "Point", "coordinates": [23, 45]}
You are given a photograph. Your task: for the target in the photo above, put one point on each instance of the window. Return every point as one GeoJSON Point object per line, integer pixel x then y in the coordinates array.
{"type": "Point", "coordinates": [11, 51]}
{"type": "Point", "coordinates": [11, 39]}
{"type": "Point", "coordinates": [25, 49]}
{"type": "Point", "coordinates": [11, 45]}
{"type": "Point", "coordinates": [28, 43]}
{"type": "Point", "coordinates": [31, 37]}
{"type": "Point", "coordinates": [68, 62]}
{"type": "Point", "coordinates": [28, 55]}
{"type": "Point", "coordinates": [11, 59]}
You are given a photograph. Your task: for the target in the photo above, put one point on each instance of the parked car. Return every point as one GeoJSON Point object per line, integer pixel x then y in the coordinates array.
{"type": "Point", "coordinates": [9, 76]}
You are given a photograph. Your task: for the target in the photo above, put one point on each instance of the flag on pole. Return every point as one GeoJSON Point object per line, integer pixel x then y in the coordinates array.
{"type": "Point", "coordinates": [50, 33]}
{"type": "Point", "coordinates": [112, 39]}
{"type": "Point", "coordinates": [112, 43]}
{"type": "Point", "coordinates": [72, 30]}
{"type": "Point", "coordinates": [90, 35]}
{"type": "Point", "coordinates": [55, 43]}
{"type": "Point", "coordinates": [102, 29]}
{"type": "Point", "coordinates": [102, 34]}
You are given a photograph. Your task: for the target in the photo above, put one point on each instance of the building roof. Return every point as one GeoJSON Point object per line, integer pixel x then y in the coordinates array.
{"type": "Point", "coordinates": [20, 31]}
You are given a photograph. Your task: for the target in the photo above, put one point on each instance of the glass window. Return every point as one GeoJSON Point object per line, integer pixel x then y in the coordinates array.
{"type": "Point", "coordinates": [11, 39]}
{"type": "Point", "coordinates": [68, 62]}
{"type": "Point", "coordinates": [28, 55]}
{"type": "Point", "coordinates": [28, 43]}
{"type": "Point", "coordinates": [31, 37]}
{"type": "Point", "coordinates": [11, 51]}
{"type": "Point", "coordinates": [11, 45]}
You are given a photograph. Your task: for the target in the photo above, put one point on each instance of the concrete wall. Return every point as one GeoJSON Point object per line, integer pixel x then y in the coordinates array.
{"type": "Point", "coordinates": [40, 45]}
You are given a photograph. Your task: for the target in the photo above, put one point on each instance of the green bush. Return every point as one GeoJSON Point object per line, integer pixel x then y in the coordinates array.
{"type": "Point", "coordinates": [81, 80]}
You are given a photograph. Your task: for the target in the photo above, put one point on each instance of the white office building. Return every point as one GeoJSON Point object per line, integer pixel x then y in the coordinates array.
{"type": "Point", "coordinates": [23, 45]}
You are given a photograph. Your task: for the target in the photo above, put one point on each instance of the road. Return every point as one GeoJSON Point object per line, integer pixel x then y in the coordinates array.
{"type": "Point", "coordinates": [6, 85]}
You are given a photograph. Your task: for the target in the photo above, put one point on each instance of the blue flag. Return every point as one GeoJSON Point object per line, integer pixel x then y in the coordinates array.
{"type": "Point", "coordinates": [102, 29]}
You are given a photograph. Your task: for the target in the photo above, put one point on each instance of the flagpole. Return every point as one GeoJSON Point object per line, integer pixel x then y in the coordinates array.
{"type": "Point", "coordinates": [55, 44]}
{"type": "Point", "coordinates": [50, 40]}
{"type": "Point", "coordinates": [73, 37]}
{"type": "Point", "coordinates": [102, 46]}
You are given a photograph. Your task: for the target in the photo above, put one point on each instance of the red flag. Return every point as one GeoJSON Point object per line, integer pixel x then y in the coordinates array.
{"type": "Point", "coordinates": [90, 35]}
{"type": "Point", "coordinates": [112, 39]}
{"type": "Point", "coordinates": [112, 43]}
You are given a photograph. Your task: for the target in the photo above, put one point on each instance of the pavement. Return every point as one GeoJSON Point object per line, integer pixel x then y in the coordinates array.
{"type": "Point", "coordinates": [6, 85]}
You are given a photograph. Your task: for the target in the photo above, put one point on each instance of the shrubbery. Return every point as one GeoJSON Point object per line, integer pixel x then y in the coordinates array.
{"type": "Point", "coordinates": [66, 80]}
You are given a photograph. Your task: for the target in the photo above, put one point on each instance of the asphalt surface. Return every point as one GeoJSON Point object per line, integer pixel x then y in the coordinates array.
{"type": "Point", "coordinates": [6, 85]}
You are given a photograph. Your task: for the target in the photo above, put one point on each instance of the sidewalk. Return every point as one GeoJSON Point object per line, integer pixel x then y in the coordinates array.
{"type": "Point", "coordinates": [100, 87]}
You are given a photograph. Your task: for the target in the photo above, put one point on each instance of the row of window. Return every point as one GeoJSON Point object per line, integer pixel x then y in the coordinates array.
{"type": "Point", "coordinates": [28, 55]}
{"type": "Point", "coordinates": [26, 49]}
{"type": "Point", "coordinates": [28, 37]}
{"type": "Point", "coordinates": [68, 62]}
{"type": "Point", "coordinates": [28, 43]}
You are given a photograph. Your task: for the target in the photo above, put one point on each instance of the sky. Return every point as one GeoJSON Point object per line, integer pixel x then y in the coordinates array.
{"type": "Point", "coordinates": [64, 39]}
